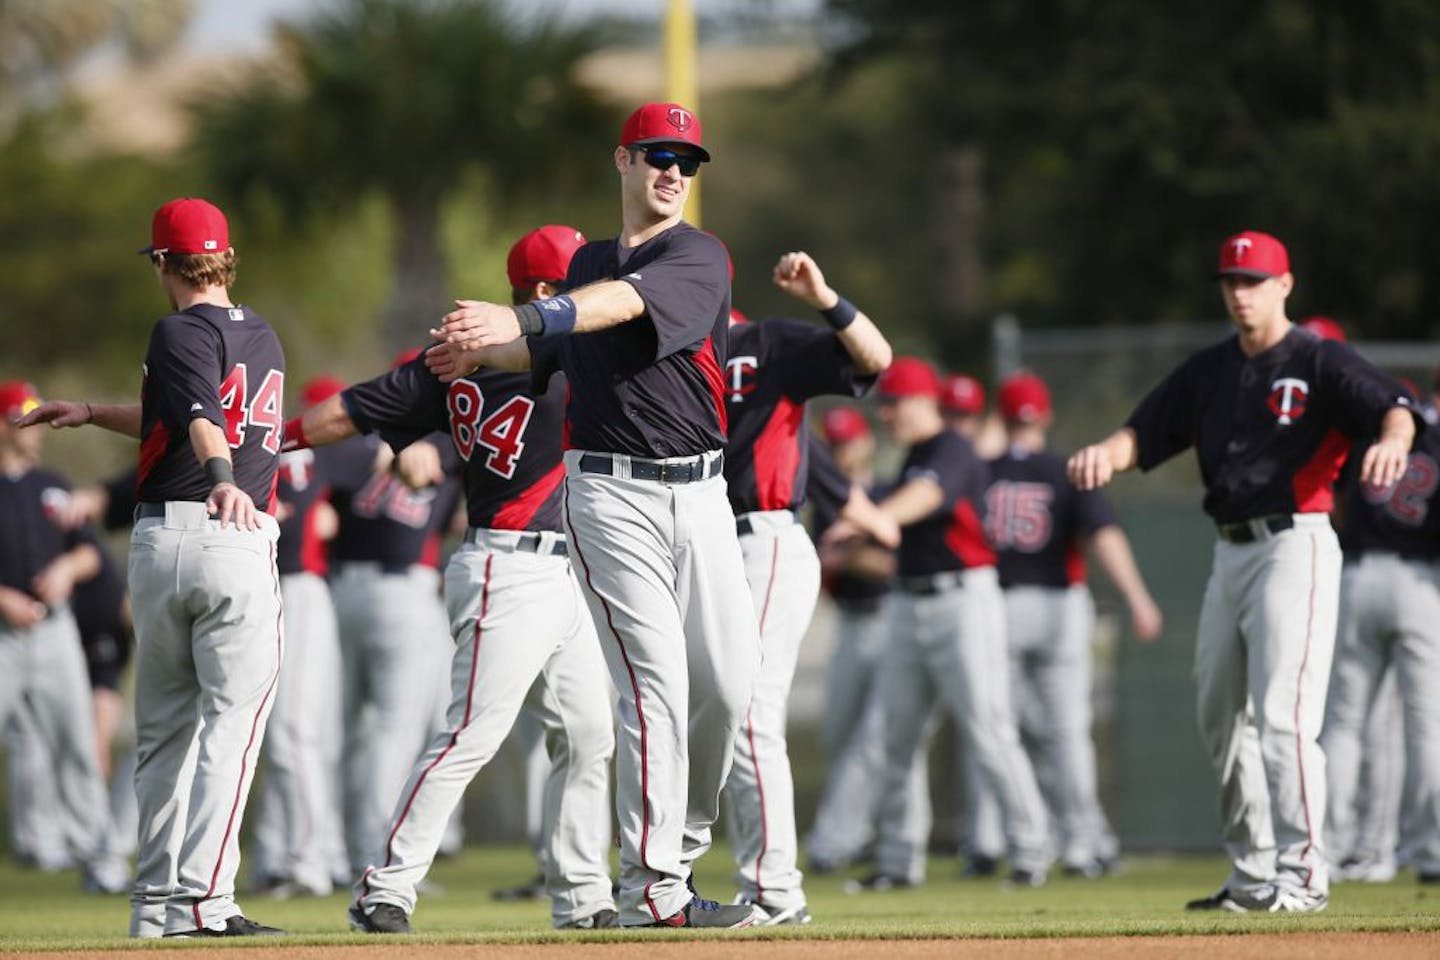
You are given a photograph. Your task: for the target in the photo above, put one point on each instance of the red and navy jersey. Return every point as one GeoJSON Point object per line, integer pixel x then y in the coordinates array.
{"type": "Point", "coordinates": [381, 519]}
{"type": "Point", "coordinates": [223, 364]}
{"type": "Point", "coordinates": [1037, 521]}
{"type": "Point", "coordinates": [773, 367]}
{"type": "Point", "coordinates": [1403, 518]}
{"type": "Point", "coordinates": [301, 487]}
{"type": "Point", "coordinates": [953, 536]}
{"type": "Point", "coordinates": [1270, 431]}
{"type": "Point", "coordinates": [652, 387]}
{"type": "Point", "coordinates": [510, 441]}
{"type": "Point", "coordinates": [30, 537]}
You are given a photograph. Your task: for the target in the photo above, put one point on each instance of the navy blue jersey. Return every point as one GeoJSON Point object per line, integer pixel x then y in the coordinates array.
{"type": "Point", "coordinates": [1402, 518]}
{"type": "Point", "coordinates": [1270, 431]}
{"type": "Point", "coordinates": [1037, 521]}
{"type": "Point", "coordinates": [300, 489]}
{"type": "Point", "coordinates": [223, 364]}
{"type": "Point", "coordinates": [510, 441]}
{"type": "Point", "coordinates": [30, 537]}
{"type": "Point", "coordinates": [953, 536]}
{"type": "Point", "coordinates": [774, 366]}
{"type": "Point", "coordinates": [652, 387]}
{"type": "Point", "coordinates": [381, 519]}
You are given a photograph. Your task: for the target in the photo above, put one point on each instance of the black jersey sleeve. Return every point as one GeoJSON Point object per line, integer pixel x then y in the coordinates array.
{"type": "Point", "coordinates": [1164, 422]}
{"type": "Point", "coordinates": [684, 290]}
{"type": "Point", "coordinates": [814, 363]}
{"type": "Point", "coordinates": [1361, 393]}
{"type": "Point", "coordinates": [183, 368]}
{"type": "Point", "coordinates": [402, 405]}
{"type": "Point", "coordinates": [826, 485]}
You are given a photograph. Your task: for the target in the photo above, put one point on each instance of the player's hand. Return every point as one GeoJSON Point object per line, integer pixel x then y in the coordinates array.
{"type": "Point", "coordinates": [57, 413]}
{"type": "Point", "coordinates": [449, 362]}
{"type": "Point", "coordinates": [419, 465]}
{"type": "Point", "coordinates": [1090, 467]}
{"type": "Point", "coordinates": [229, 503]}
{"type": "Point", "coordinates": [20, 610]}
{"type": "Point", "coordinates": [1385, 463]}
{"type": "Point", "coordinates": [799, 275]}
{"type": "Point", "coordinates": [54, 584]}
{"type": "Point", "coordinates": [1146, 620]}
{"type": "Point", "coordinates": [476, 324]}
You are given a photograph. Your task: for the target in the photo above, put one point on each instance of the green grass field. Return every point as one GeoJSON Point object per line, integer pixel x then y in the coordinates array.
{"type": "Point", "coordinates": [49, 912]}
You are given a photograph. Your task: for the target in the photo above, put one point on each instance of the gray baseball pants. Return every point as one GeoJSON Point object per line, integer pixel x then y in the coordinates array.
{"type": "Point", "coordinates": [665, 581]}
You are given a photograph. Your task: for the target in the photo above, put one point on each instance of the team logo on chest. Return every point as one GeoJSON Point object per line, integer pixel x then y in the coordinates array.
{"type": "Point", "coordinates": [741, 371]}
{"type": "Point", "coordinates": [1287, 399]}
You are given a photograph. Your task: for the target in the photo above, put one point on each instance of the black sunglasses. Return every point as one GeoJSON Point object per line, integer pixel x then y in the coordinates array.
{"type": "Point", "coordinates": [662, 159]}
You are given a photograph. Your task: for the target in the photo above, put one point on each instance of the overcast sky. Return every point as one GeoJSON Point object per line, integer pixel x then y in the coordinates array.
{"type": "Point", "coordinates": [237, 25]}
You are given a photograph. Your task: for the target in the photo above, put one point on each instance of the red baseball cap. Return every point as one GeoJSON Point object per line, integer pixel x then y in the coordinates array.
{"type": "Point", "coordinates": [663, 123]}
{"type": "Point", "coordinates": [542, 254]}
{"type": "Point", "coordinates": [908, 377]}
{"type": "Point", "coordinates": [1325, 328]}
{"type": "Point", "coordinates": [962, 394]}
{"type": "Point", "coordinates": [1253, 254]}
{"type": "Point", "coordinates": [843, 424]}
{"type": "Point", "coordinates": [320, 388]}
{"type": "Point", "coordinates": [1024, 398]}
{"type": "Point", "coordinates": [188, 225]}
{"type": "Point", "coordinates": [17, 398]}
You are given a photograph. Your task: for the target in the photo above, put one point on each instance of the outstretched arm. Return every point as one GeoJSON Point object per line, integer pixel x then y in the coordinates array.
{"type": "Point", "coordinates": [1112, 550]}
{"type": "Point", "coordinates": [1093, 466]}
{"type": "Point", "coordinates": [117, 417]}
{"type": "Point", "coordinates": [799, 275]}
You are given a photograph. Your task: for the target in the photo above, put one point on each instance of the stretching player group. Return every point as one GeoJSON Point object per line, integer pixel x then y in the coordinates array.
{"type": "Point", "coordinates": [633, 455]}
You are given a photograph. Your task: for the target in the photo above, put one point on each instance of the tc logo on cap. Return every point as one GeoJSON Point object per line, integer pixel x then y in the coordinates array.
{"type": "Point", "coordinates": [680, 119]}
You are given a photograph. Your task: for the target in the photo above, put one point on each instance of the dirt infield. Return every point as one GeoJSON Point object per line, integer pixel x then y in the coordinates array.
{"type": "Point", "coordinates": [1312, 946]}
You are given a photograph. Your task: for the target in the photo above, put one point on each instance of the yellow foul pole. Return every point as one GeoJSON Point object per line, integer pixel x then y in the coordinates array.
{"type": "Point", "coordinates": [680, 84]}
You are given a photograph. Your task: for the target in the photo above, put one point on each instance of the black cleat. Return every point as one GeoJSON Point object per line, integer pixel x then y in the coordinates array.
{"type": "Point", "coordinates": [236, 926]}
{"type": "Point", "coordinates": [604, 919]}
{"type": "Point", "coordinates": [382, 918]}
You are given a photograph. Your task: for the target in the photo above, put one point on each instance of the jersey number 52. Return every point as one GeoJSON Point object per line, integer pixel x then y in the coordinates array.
{"type": "Point", "coordinates": [261, 409]}
{"type": "Point", "coordinates": [502, 433]}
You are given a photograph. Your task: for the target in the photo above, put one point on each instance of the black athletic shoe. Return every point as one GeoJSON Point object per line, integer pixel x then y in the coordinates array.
{"type": "Point", "coordinates": [708, 913]}
{"type": "Point", "coordinates": [605, 919]}
{"type": "Point", "coordinates": [1215, 901]}
{"type": "Point", "coordinates": [383, 918]}
{"type": "Point", "coordinates": [236, 926]}
{"type": "Point", "coordinates": [533, 889]}
{"type": "Point", "coordinates": [877, 883]}
{"type": "Point", "coordinates": [979, 865]}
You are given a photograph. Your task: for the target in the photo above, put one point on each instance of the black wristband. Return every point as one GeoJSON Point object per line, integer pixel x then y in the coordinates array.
{"type": "Point", "coordinates": [531, 320]}
{"type": "Point", "coordinates": [219, 470]}
{"type": "Point", "coordinates": [841, 315]}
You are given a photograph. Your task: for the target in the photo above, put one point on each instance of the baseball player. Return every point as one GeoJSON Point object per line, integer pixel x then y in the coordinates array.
{"type": "Point", "coordinates": [43, 684]}
{"type": "Point", "coordinates": [393, 631]}
{"type": "Point", "coordinates": [774, 367]}
{"type": "Point", "coordinates": [948, 637]}
{"type": "Point", "coordinates": [297, 814]}
{"type": "Point", "coordinates": [1039, 525]}
{"type": "Point", "coordinates": [204, 589]}
{"type": "Point", "coordinates": [641, 338]}
{"type": "Point", "coordinates": [1389, 632]}
{"type": "Point", "coordinates": [1268, 411]}
{"type": "Point", "coordinates": [523, 637]}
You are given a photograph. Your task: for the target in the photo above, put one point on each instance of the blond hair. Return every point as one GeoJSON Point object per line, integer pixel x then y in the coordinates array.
{"type": "Point", "coordinates": [203, 269]}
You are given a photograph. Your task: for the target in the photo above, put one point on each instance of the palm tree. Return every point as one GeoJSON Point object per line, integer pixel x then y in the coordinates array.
{"type": "Point", "coordinates": [407, 99]}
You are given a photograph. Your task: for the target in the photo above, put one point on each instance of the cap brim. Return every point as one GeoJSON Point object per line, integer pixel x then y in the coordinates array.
{"type": "Point", "coordinates": [650, 141]}
{"type": "Point", "coordinates": [1242, 272]}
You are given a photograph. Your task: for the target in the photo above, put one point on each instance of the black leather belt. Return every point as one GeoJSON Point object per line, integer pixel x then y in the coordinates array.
{"type": "Point", "coordinates": [527, 541]}
{"type": "Point", "coordinates": [674, 471]}
{"type": "Point", "coordinates": [932, 583]}
{"type": "Point", "coordinates": [1248, 531]}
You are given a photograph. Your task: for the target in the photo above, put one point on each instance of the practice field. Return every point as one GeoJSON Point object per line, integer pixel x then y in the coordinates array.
{"type": "Point", "coordinates": [1137, 912]}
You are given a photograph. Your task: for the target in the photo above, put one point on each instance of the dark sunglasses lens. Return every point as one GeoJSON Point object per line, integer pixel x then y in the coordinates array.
{"type": "Point", "coordinates": [664, 159]}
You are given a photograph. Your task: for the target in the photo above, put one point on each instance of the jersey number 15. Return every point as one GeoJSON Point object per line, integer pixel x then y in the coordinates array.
{"type": "Point", "coordinates": [501, 433]}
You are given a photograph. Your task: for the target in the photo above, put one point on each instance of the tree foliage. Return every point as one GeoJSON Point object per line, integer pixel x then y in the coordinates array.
{"type": "Point", "coordinates": [1123, 140]}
